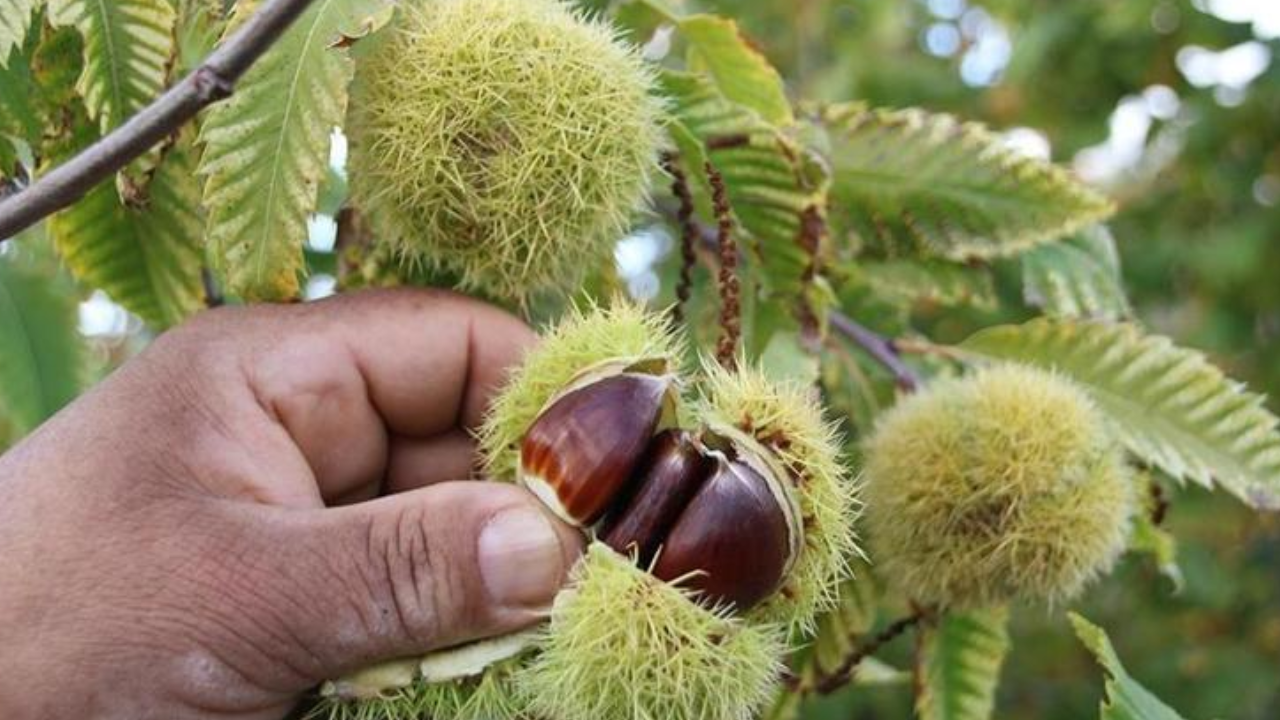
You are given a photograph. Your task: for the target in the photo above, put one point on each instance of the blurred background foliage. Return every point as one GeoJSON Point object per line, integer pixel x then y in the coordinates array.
{"type": "Point", "coordinates": [1174, 109]}
{"type": "Point", "coordinates": [1171, 106]}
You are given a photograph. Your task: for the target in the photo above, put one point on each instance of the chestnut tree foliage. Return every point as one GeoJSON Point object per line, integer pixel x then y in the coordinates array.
{"type": "Point", "coordinates": [849, 217]}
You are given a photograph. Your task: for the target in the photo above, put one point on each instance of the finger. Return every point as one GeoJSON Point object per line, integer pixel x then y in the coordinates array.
{"type": "Point", "coordinates": [343, 375]}
{"type": "Point", "coordinates": [403, 574]}
{"type": "Point", "coordinates": [415, 463]}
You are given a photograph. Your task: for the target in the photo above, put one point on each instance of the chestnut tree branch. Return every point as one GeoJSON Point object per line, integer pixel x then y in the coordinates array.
{"type": "Point", "coordinates": [212, 81]}
{"type": "Point", "coordinates": [878, 347]}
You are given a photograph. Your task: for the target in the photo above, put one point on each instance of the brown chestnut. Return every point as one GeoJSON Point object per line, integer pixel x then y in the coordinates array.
{"type": "Point", "coordinates": [667, 479]}
{"type": "Point", "coordinates": [582, 450]}
{"type": "Point", "coordinates": [736, 540]}
{"type": "Point", "coordinates": [707, 511]}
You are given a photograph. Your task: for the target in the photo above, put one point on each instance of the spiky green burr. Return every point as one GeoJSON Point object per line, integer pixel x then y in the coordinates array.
{"type": "Point", "coordinates": [998, 486]}
{"type": "Point", "coordinates": [507, 142]}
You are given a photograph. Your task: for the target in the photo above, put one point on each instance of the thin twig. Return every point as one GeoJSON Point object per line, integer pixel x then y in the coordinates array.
{"type": "Point", "coordinates": [212, 294]}
{"type": "Point", "coordinates": [880, 348]}
{"type": "Point", "coordinates": [351, 245]}
{"type": "Point", "coordinates": [840, 676]}
{"type": "Point", "coordinates": [730, 303]}
{"type": "Point", "coordinates": [688, 234]}
{"type": "Point", "coordinates": [212, 81]}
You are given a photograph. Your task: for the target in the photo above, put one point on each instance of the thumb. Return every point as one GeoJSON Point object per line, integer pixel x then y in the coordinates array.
{"type": "Point", "coordinates": [412, 572]}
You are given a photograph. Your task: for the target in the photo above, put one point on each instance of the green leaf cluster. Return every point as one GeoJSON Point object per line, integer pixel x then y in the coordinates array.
{"type": "Point", "coordinates": [865, 181]}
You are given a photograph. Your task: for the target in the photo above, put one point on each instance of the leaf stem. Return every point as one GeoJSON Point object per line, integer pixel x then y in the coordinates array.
{"type": "Point", "coordinates": [921, 346]}
{"type": "Point", "coordinates": [212, 81]}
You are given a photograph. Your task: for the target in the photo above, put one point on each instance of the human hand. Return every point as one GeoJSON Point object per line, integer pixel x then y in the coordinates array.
{"type": "Point", "coordinates": [165, 546]}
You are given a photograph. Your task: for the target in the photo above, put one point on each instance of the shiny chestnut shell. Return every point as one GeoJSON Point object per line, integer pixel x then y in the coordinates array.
{"type": "Point", "coordinates": [671, 473]}
{"type": "Point", "coordinates": [734, 542]}
{"type": "Point", "coordinates": [580, 453]}
{"type": "Point", "coordinates": [709, 511]}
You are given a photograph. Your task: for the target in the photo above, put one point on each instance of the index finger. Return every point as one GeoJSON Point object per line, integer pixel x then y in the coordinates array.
{"type": "Point", "coordinates": [352, 377]}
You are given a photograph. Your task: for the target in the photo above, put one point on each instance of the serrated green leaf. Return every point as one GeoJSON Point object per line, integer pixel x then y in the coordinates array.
{"type": "Point", "coordinates": [40, 352]}
{"type": "Point", "coordinates": [266, 149]}
{"type": "Point", "coordinates": [914, 183]}
{"type": "Point", "coordinates": [839, 631]}
{"type": "Point", "coordinates": [740, 71]}
{"type": "Point", "coordinates": [1126, 699]}
{"type": "Point", "coordinates": [960, 659]}
{"type": "Point", "coordinates": [148, 258]}
{"type": "Point", "coordinates": [128, 45]}
{"type": "Point", "coordinates": [1077, 277]}
{"type": "Point", "coordinates": [1170, 406]}
{"type": "Point", "coordinates": [55, 65]}
{"type": "Point", "coordinates": [15, 20]}
{"type": "Point", "coordinates": [850, 389]}
{"type": "Point", "coordinates": [908, 282]}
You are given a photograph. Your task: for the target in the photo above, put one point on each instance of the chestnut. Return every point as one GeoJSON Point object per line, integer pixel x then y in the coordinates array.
{"type": "Point", "coordinates": [580, 452]}
{"type": "Point", "coordinates": [736, 540]}
{"type": "Point", "coordinates": [668, 478]}
{"type": "Point", "coordinates": [705, 510]}
{"type": "Point", "coordinates": [715, 521]}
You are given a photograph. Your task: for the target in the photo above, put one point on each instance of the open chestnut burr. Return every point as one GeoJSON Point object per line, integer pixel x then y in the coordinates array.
{"type": "Point", "coordinates": [705, 509]}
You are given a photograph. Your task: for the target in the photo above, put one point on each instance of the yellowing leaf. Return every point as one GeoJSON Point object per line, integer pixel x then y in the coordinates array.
{"type": "Point", "coordinates": [15, 20]}
{"type": "Point", "coordinates": [740, 71]}
{"type": "Point", "coordinates": [148, 258]}
{"type": "Point", "coordinates": [266, 149]}
{"type": "Point", "coordinates": [127, 48]}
